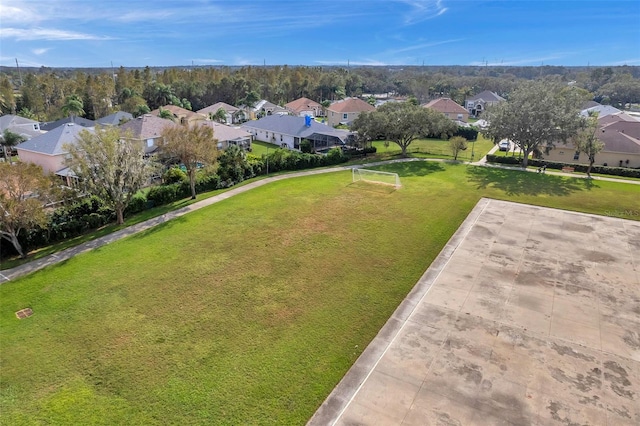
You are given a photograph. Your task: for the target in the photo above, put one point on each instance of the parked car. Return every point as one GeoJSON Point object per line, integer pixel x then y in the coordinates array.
{"type": "Point", "coordinates": [504, 145]}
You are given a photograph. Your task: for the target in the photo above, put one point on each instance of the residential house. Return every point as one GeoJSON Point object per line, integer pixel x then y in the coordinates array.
{"type": "Point", "coordinates": [288, 131]}
{"type": "Point", "coordinates": [78, 121]}
{"type": "Point", "coordinates": [147, 130]}
{"type": "Point", "coordinates": [346, 110]}
{"type": "Point", "coordinates": [227, 135]}
{"type": "Point", "coordinates": [49, 149]}
{"type": "Point", "coordinates": [234, 115]}
{"type": "Point", "coordinates": [449, 108]}
{"type": "Point", "coordinates": [115, 119]}
{"type": "Point", "coordinates": [180, 115]}
{"type": "Point", "coordinates": [620, 134]}
{"type": "Point", "coordinates": [600, 110]}
{"type": "Point", "coordinates": [477, 104]}
{"type": "Point", "coordinates": [22, 126]}
{"type": "Point", "coordinates": [263, 108]}
{"type": "Point", "coordinates": [303, 107]}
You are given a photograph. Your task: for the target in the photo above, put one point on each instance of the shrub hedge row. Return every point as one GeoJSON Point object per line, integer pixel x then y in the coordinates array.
{"type": "Point", "coordinates": [90, 213]}
{"type": "Point", "coordinates": [604, 170]}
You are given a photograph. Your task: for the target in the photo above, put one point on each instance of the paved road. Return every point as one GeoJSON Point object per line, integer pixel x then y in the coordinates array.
{"type": "Point", "coordinates": [18, 271]}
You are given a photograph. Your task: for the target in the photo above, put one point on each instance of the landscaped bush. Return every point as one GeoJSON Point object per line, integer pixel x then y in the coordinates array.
{"type": "Point", "coordinates": [469, 133]}
{"type": "Point", "coordinates": [137, 204]}
{"type": "Point", "coordinates": [504, 159]}
{"type": "Point", "coordinates": [604, 170]}
{"type": "Point", "coordinates": [164, 194]}
{"type": "Point", "coordinates": [174, 175]}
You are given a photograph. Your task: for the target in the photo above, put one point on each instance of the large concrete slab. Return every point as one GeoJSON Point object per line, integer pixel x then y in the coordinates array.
{"type": "Point", "coordinates": [529, 316]}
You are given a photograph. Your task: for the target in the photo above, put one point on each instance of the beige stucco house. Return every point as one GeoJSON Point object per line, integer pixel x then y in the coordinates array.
{"type": "Point", "coordinates": [449, 108]}
{"type": "Point", "coordinates": [620, 134]}
{"type": "Point", "coordinates": [147, 130]}
{"type": "Point", "coordinates": [347, 110]}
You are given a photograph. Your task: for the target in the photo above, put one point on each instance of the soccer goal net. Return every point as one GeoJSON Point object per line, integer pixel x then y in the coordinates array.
{"type": "Point", "coordinates": [376, 176]}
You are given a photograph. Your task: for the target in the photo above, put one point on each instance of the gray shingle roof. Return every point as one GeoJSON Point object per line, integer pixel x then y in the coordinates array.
{"type": "Point", "coordinates": [294, 126]}
{"type": "Point", "coordinates": [53, 142]}
{"type": "Point", "coordinates": [20, 125]}
{"type": "Point", "coordinates": [78, 121]}
{"type": "Point", "coordinates": [114, 119]}
{"type": "Point", "coordinates": [486, 96]}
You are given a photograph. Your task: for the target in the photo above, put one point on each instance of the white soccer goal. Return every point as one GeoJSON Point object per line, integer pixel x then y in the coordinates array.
{"type": "Point", "coordinates": [375, 176]}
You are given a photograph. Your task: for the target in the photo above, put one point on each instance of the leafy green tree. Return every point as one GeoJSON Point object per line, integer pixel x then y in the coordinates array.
{"type": "Point", "coordinates": [20, 210]}
{"type": "Point", "coordinates": [220, 115]}
{"type": "Point", "coordinates": [9, 139]}
{"type": "Point", "coordinates": [110, 166]}
{"type": "Point", "coordinates": [232, 164]}
{"type": "Point", "coordinates": [73, 106]}
{"type": "Point", "coordinates": [192, 145]}
{"type": "Point", "coordinates": [457, 144]}
{"type": "Point", "coordinates": [27, 113]}
{"type": "Point", "coordinates": [586, 140]}
{"type": "Point", "coordinates": [536, 115]}
{"type": "Point", "coordinates": [402, 123]}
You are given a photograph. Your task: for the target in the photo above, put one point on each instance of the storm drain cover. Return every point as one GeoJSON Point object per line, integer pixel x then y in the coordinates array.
{"type": "Point", "coordinates": [24, 313]}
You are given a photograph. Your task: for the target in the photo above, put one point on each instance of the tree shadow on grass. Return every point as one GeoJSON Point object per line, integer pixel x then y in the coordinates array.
{"type": "Point", "coordinates": [159, 223]}
{"type": "Point", "coordinates": [514, 182]}
{"type": "Point", "coordinates": [412, 168]}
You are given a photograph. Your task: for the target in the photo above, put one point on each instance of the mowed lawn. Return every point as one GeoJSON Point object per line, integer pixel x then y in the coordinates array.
{"type": "Point", "coordinates": [436, 148]}
{"type": "Point", "coordinates": [248, 311]}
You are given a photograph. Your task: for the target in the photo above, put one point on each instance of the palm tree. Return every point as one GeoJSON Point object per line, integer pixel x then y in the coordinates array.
{"type": "Point", "coordinates": [220, 115]}
{"type": "Point", "coordinates": [73, 106]}
{"type": "Point", "coordinates": [165, 113]}
{"type": "Point", "coordinates": [10, 139]}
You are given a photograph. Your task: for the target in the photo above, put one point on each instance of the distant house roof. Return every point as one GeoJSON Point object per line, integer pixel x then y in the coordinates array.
{"type": "Point", "coordinates": [486, 96]}
{"type": "Point", "coordinates": [446, 106]}
{"type": "Point", "coordinates": [22, 126]}
{"type": "Point", "coordinates": [295, 126]}
{"type": "Point", "coordinates": [613, 118]}
{"type": "Point", "coordinates": [53, 142]}
{"type": "Point", "coordinates": [78, 121]}
{"type": "Point", "coordinates": [601, 110]}
{"type": "Point", "coordinates": [223, 132]}
{"type": "Point", "coordinates": [115, 119]}
{"type": "Point", "coordinates": [589, 104]}
{"type": "Point", "coordinates": [350, 105]}
{"type": "Point", "coordinates": [215, 107]}
{"type": "Point", "coordinates": [621, 136]}
{"type": "Point", "coordinates": [147, 126]}
{"type": "Point", "coordinates": [177, 112]}
{"type": "Point", "coordinates": [301, 105]}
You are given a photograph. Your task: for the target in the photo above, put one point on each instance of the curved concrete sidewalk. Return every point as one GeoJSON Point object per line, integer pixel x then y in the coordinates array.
{"type": "Point", "coordinates": [18, 271]}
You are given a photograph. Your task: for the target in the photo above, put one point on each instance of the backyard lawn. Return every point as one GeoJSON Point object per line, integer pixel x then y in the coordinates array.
{"type": "Point", "coordinates": [437, 148]}
{"type": "Point", "coordinates": [248, 311]}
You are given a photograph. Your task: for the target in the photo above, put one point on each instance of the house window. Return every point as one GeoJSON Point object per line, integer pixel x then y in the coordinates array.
{"type": "Point", "coordinates": [345, 116]}
{"type": "Point", "coordinates": [149, 143]}
{"type": "Point", "coordinates": [280, 138]}
{"type": "Point", "coordinates": [36, 126]}
{"type": "Point", "coordinates": [459, 116]}
{"type": "Point", "coordinates": [219, 145]}
{"type": "Point", "coordinates": [576, 156]}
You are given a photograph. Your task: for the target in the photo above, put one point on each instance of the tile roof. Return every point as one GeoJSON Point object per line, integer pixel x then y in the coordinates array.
{"type": "Point", "coordinates": [147, 126]}
{"type": "Point", "coordinates": [294, 126]}
{"type": "Point", "coordinates": [115, 118]}
{"type": "Point", "coordinates": [52, 142]}
{"type": "Point", "coordinates": [215, 107]}
{"type": "Point", "coordinates": [302, 104]}
{"type": "Point", "coordinates": [176, 111]}
{"type": "Point", "coordinates": [350, 105]}
{"type": "Point", "coordinates": [446, 106]}
{"type": "Point", "coordinates": [78, 121]}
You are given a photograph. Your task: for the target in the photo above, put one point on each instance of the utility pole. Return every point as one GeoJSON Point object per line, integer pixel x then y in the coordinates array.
{"type": "Point", "coordinates": [19, 73]}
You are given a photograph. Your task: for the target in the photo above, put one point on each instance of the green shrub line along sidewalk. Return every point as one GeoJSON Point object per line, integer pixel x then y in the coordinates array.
{"type": "Point", "coordinates": [247, 311]}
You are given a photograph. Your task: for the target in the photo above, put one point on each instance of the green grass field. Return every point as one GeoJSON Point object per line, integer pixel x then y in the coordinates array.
{"type": "Point", "coordinates": [248, 311]}
{"type": "Point", "coordinates": [436, 148]}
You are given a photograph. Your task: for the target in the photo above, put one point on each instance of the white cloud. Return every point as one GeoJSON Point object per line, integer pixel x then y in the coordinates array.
{"type": "Point", "coordinates": [47, 34]}
{"type": "Point", "coordinates": [40, 51]}
{"type": "Point", "coordinates": [422, 10]}
{"type": "Point", "coordinates": [207, 61]}
{"type": "Point", "coordinates": [14, 14]}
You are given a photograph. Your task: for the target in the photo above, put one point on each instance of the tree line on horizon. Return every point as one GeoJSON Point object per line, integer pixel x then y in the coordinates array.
{"type": "Point", "coordinates": [41, 94]}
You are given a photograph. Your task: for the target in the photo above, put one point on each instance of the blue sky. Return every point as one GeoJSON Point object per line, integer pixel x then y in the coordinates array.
{"type": "Point", "coordinates": [96, 33]}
